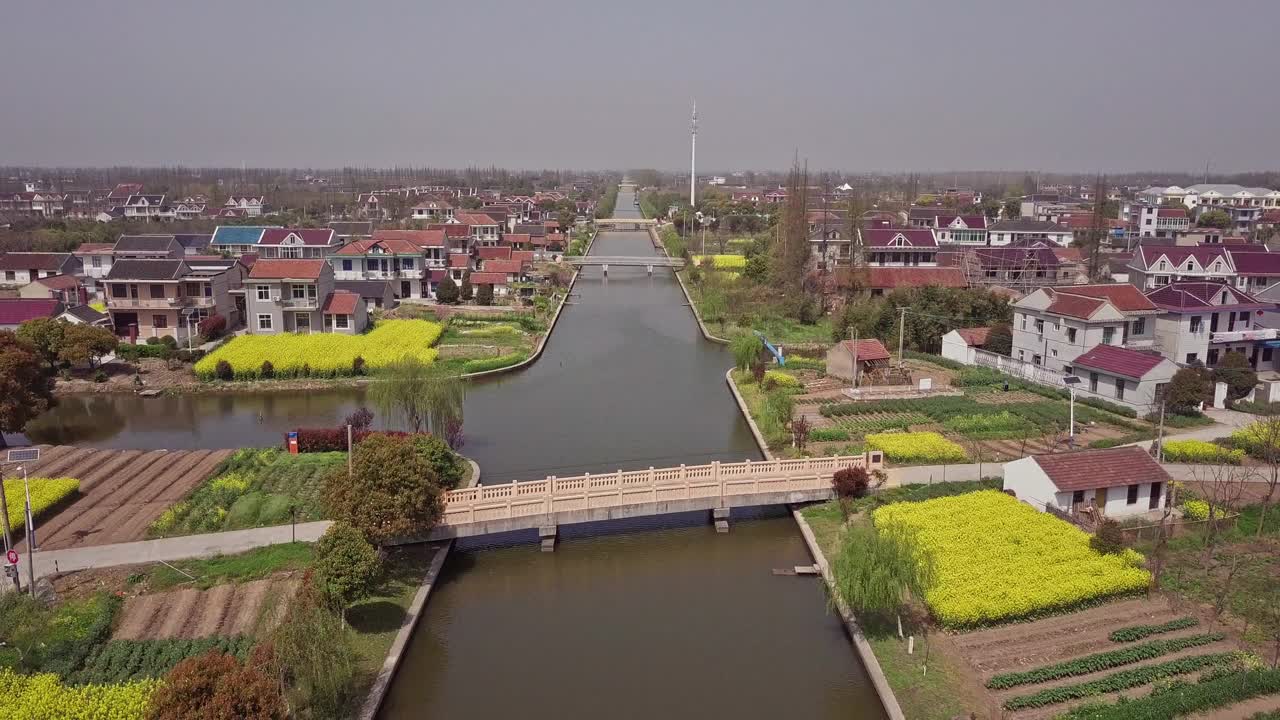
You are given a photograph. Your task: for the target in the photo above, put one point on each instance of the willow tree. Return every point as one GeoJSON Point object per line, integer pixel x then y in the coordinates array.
{"type": "Point", "coordinates": [425, 397]}
{"type": "Point", "coordinates": [879, 571]}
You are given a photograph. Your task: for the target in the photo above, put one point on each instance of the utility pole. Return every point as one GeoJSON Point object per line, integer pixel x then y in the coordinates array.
{"type": "Point", "coordinates": [8, 539]}
{"type": "Point", "coordinates": [693, 155]}
{"type": "Point", "coordinates": [902, 330]}
{"type": "Point", "coordinates": [1160, 435]}
{"type": "Point", "coordinates": [855, 359]}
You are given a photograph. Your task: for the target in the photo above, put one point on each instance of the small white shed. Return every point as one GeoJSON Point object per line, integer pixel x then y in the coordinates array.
{"type": "Point", "coordinates": [959, 344]}
{"type": "Point", "coordinates": [1116, 482]}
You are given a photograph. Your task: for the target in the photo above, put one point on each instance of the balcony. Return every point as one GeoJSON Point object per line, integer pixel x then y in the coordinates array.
{"type": "Point", "coordinates": [1243, 335]}
{"type": "Point", "coordinates": [127, 303]}
{"type": "Point", "coordinates": [308, 303]}
{"type": "Point", "coordinates": [199, 301]}
{"type": "Point", "coordinates": [410, 273]}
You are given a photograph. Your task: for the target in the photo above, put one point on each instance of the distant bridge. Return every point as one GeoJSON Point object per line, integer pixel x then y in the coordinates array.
{"type": "Point", "coordinates": [605, 261]}
{"type": "Point", "coordinates": [545, 504]}
{"type": "Point", "coordinates": [631, 223]}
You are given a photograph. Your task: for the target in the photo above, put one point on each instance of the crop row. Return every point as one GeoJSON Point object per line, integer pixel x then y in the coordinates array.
{"type": "Point", "coordinates": [324, 354]}
{"type": "Point", "coordinates": [1122, 680]}
{"type": "Point", "coordinates": [999, 559]}
{"type": "Point", "coordinates": [1186, 700]}
{"type": "Point", "coordinates": [44, 697]}
{"type": "Point", "coordinates": [1200, 451]}
{"type": "Point", "coordinates": [1138, 632]}
{"type": "Point", "coordinates": [124, 660]}
{"type": "Point", "coordinates": [1101, 661]}
{"type": "Point", "coordinates": [879, 422]}
{"type": "Point", "coordinates": [1045, 416]}
{"type": "Point", "coordinates": [721, 262]}
{"type": "Point", "coordinates": [45, 493]}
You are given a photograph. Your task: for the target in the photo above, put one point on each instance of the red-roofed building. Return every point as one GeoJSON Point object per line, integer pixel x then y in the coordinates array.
{"type": "Point", "coordinates": [959, 344]}
{"type": "Point", "coordinates": [287, 295]}
{"type": "Point", "coordinates": [852, 361]}
{"type": "Point", "coordinates": [961, 229]}
{"type": "Point", "coordinates": [518, 241]}
{"type": "Point", "coordinates": [1203, 321]}
{"type": "Point", "coordinates": [344, 312]}
{"type": "Point", "coordinates": [495, 252]}
{"type": "Point", "coordinates": [298, 243]}
{"type": "Point", "coordinates": [1114, 482]}
{"type": "Point", "coordinates": [66, 288]}
{"type": "Point", "coordinates": [15, 311]}
{"type": "Point", "coordinates": [483, 227]}
{"type": "Point", "coordinates": [1155, 265]}
{"type": "Point", "coordinates": [1134, 378]}
{"type": "Point", "coordinates": [1052, 326]}
{"type": "Point", "coordinates": [497, 279]}
{"type": "Point", "coordinates": [393, 256]}
{"type": "Point", "coordinates": [900, 247]}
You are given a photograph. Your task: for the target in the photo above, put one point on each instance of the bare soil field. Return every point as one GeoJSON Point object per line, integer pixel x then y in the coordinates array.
{"type": "Point", "coordinates": [1026, 646]}
{"type": "Point", "coordinates": [121, 491]}
{"type": "Point", "coordinates": [228, 609]}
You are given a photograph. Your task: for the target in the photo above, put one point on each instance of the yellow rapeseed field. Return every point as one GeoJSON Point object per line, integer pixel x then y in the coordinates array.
{"type": "Point", "coordinates": [1000, 559]}
{"type": "Point", "coordinates": [44, 697]}
{"type": "Point", "coordinates": [45, 493]}
{"type": "Point", "coordinates": [324, 354]}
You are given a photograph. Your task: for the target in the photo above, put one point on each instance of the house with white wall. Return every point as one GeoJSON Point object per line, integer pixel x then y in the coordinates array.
{"type": "Point", "coordinates": [1007, 232]}
{"type": "Point", "coordinates": [1154, 266]}
{"type": "Point", "coordinates": [23, 268]}
{"type": "Point", "coordinates": [1203, 321]}
{"type": "Point", "coordinates": [959, 344]}
{"type": "Point", "coordinates": [1054, 325]}
{"type": "Point", "coordinates": [1133, 378]}
{"type": "Point", "coordinates": [1115, 482]}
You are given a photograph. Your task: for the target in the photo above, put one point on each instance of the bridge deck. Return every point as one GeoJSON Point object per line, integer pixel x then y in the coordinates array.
{"type": "Point", "coordinates": [650, 261]}
{"type": "Point", "coordinates": [590, 498]}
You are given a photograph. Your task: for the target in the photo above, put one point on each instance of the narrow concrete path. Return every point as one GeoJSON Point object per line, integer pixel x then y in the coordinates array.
{"type": "Point", "coordinates": [169, 549]}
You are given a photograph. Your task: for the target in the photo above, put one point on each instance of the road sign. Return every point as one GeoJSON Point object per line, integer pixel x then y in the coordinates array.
{"type": "Point", "coordinates": [13, 557]}
{"type": "Point", "coordinates": [23, 455]}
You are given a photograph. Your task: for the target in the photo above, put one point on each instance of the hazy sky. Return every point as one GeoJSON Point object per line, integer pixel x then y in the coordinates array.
{"type": "Point", "coordinates": [1092, 85]}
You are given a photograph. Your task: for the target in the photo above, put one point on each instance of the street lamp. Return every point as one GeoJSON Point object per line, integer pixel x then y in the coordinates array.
{"type": "Point", "coordinates": [1071, 382]}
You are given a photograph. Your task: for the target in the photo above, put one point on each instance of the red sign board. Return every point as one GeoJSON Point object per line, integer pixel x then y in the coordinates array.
{"type": "Point", "coordinates": [13, 557]}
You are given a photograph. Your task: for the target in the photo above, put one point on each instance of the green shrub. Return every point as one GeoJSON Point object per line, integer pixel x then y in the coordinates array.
{"type": "Point", "coordinates": [804, 363]}
{"type": "Point", "coordinates": [1184, 700]}
{"type": "Point", "coordinates": [493, 363]}
{"type": "Point", "coordinates": [989, 427]}
{"type": "Point", "coordinates": [828, 435]}
{"type": "Point", "coordinates": [1138, 632]}
{"type": "Point", "coordinates": [1195, 509]}
{"type": "Point", "coordinates": [1100, 661]}
{"type": "Point", "coordinates": [1108, 406]}
{"type": "Point", "coordinates": [1117, 681]}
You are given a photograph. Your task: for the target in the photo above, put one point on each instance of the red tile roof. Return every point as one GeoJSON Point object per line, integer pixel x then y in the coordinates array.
{"type": "Point", "coordinates": [1201, 295]}
{"type": "Point", "coordinates": [867, 349]}
{"type": "Point", "coordinates": [1113, 467]}
{"type": "Point", "coordinates": [499, 252]}
{"type": "Point", "coordinates": [32, 260]}
{"type": "Point", "coordinates": [271, 269]}
{"type": "Point", "coordinates": [421, 238]}
{"type": "Point", "coordinates": [396, 246]}
{"type": "Point", "coordinates": [975, 337]}
{"type": "Point", "coordinates": [1256, 263]}
{"type": "Point", "coordinates": [514, 238]}
{"type": "Point", "coordinates": [507, 267]}
{"type": "Point", "coordinates": [1125, 297]}
{"type": "Point", "coordinates": [15, 311]}
{"type": "Point", "coordinates": [488, 278]}
{"type": "Point", "coordinates": [60, 282]}
{"type": "Point", "coordinates": [341, 302]}
{"type": "Point", "coordinates": [921, 238]}
{"type": "Point", "coordinates": [472, 218]}
{"type": "Point", "coordinates": [522, 256]}
{"type": "Point", "coordinates": [309, 236]}
{"type": "Point", "coordinates": [1119, 361]}
{"type": "Point", "coordinates": [888, 278]}
{"type": "Point", "coordinates": [1076, 306]}
{"type": "Point", "coordinates": [459, 260]}
{"type": "Point", "coordinates": [451, 229]}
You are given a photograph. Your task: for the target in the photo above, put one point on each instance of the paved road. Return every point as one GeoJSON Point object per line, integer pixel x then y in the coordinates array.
{"type": "Point", "coordinates": [170, 549]}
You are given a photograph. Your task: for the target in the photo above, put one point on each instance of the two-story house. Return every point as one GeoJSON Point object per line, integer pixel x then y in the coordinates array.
{"type": "Point", "coordinates": [1256, 267]}
{"type": "Point", "coordinates": [250, 205]}
{"type": "Point", "coordinates": [188, 209]}
{"type": "Point", "coordinates": [20, 268]}
{"type": "Point", "coordinates": [1006, 232]}
{"type": "Point", "coordinates": [145, 298]}
{"type": "Point", "coordinates": [1203, 321]}
{"type": "Point", "coordinates": [1159, 221]}
{"type": "Point", "coordinates": [433, 209]}
{"type": "Point", "coordinates": [1154, 266]}
{"type": "Point", "coordinates": [95, 263]}
{"type": "Point", "coordinates": [147, 208]}
{"type": "Point", "coordinates": [390, 257]}
{"type": "Point", "coordinates": [297, 243]}
{"type": "Point", "coordinates": [900, 247]}
{"type": "Point", "coordinates": [288, 295]}
{"type": "Point", "coordinates": [484, 229]}
{"type": "Point", "coordinates": [1054, 325]}
{"type": "Point", "coordinates": [961, 229]}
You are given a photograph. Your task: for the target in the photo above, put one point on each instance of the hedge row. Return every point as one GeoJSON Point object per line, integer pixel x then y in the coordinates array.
{"type": "Point", "coordinates": [1185, 700]}
{"type": "Point", "coordinates": [1118, 681]}
{"type": "Point", "coordinates": [493, 363]}
{"type": "Point", "coordinates": [1138, 632]}
{"type": "Point", "coordinates": [1100, 661]}
{"type": "Point", "coordinates": [333, 439]}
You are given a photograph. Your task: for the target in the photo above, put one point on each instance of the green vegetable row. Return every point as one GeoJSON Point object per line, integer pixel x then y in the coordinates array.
{"type": "Point", "coordinates": [1206, 695]}
{"type": "Point", "coordinates": [1101, 661]}
{"type": "Point", "coordinates": [1138, 632]}
{"type": "Point", "coordinates": [120, 661]}
{"type": "Point", "coordinates": [1117, 681]}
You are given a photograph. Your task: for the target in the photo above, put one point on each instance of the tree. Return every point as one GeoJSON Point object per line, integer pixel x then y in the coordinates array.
{"type": "Point", "coordinates": [484, 295]}
{"type": "Point", "coordinates": [746, 348]}
{"type": "Point", "coordinates": [1234, 370]}
{"type": "Point", "coordinates": [1188, 388]}
{"type": "Point", "coordinates": [467, 290]}
{"type": "Point", "coordinates": [850, 484]}
{"type": "Point", "coordinates": [1265, 437]}
{"type": "Point", "coordinates": [757, 268]}
{"type": "Point", "coordinates": [45, 336]}
{"type": "Point", "coordinates": [1108, 539]}
{"type": "Point", "coordinates": [427, 397]}
{"type": "Point", "coordinates": [347, 566]}
{"type": "Point", "coordinates": [26, 385]}
{"type": "Point", "coordinates": [447, 291]}
{"type": "Point", "coordinates": [224, 371]}
{"type": "Point", "coordinates": [86, 343]}
{"type": "Point", "coordinates": [447, 463]}
{"type": "Point", "coordinates": [314, 653]}
{"type": "Point", "coordinates": [360, 419]}
{"type": "Point", "coordinates": [392, 491]}
{"type": "Point", "coordinates": [213, 327]}
{"type": "Point", "coordinates": [1214, 219]}
{"type": "Point", "coordinates": [216, 686]}
{"type": "Point", "coordinates": [999, 339]}
{"type": "Point", "coordinates": [1012, 209]}
{"type": "Point", "coordinates": [877, 570]}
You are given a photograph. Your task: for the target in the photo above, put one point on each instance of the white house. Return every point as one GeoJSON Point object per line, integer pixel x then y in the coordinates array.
{"type": "Point", "coordinates": [1133, 378]}
{"type": "Point", "coordinates": [1115, 482]}
{"type": "Point", "coordinates": [1008, 232]}
{"type": "Point", "coordinates": [959, 344]}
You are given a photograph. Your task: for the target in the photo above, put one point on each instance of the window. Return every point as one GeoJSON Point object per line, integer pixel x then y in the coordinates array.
{"type": "Point", "coordinates": [346, 265]}
{"type": "Point", "coordinates": [1153, 502]}
{"type": "Point", "coordinates": [1071, 335]}
{"type": "Point", "coordinates": [193, 289]}
{"type": "Point", "coordinates": [1213, 357]}
{"type": "Point", "coordinates": [156, 291]}
{"type": "Point", "coordinates": [1093, 382]}
{"type": "Point", "coordinates": [1022, 354]}
{"type": "Point", "coordinates": [1068, 370]}
{"type": "Point", "coordinates": [1040, 327]}
{"type": "Point", "coordinates": [1077, 497]}
{"type": "Point", "coordinates": [1037, 360]}
{"type": "Point", "coordinates": [342, 322]}
{"type": "Point", "coordinates": [1024, 322]}
{"type": "Point", "coordinates": [1132, 498]}
{"type": "Point", "coordinates": [1244, 317]}
{"type": "Point", "coordinates": [118, 290]}
{"type": "Point", "coordinates": [1191, 357]}
{"type": "Point", "coordinates": [1108, 334]}
{"type": "Point", "coordinates": [298, 292]}
{"type": "Point", "coordinates": [160, 321]}
{"type": "Point", "coordinates": [1119, 388]}
{"type": "Point", "coordinates": [264, 322]}
{"type": "Point", "coordinates": [9, 275]}
{"type": "Point", "coordinates": [96, 261]}
{"type": "Point", "coordinates": [1053, 352]}
{"type": "Point", "coordinates": [1196, 323]}
{"type": "Point", "coordinates": [406, 263]}
{"type": "Point", "coordinates": [1139, 326]}
{"type": "Point", "coordinates": [1266, 354]}
{"type": "Point", "coordinates": [264, 292]}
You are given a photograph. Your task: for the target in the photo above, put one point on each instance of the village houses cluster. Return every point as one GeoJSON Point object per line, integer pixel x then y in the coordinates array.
{"type": "Point", "coordinates": [269, 279]}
